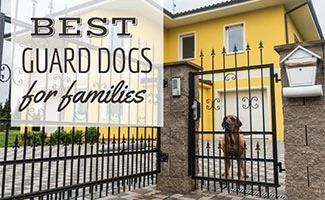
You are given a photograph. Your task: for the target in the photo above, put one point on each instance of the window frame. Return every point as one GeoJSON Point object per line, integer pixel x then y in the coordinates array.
{"type": "Point", "coordinates": [226, 39]}
{"type": "Point", "coordinates": [180, 45]}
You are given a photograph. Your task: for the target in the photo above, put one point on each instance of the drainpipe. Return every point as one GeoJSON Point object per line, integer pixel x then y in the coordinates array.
{"type": "Point", "coordinates": [286, 16]}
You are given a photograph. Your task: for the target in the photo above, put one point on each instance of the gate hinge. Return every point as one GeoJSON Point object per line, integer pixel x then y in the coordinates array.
{"type": "Point", "coordinates": [277, 79]}
{"type": "Point", "coordinates": [280, 167]}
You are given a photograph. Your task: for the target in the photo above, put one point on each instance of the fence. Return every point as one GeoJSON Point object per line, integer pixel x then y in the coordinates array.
{"type": "Point", "coordinates": [64, 166]}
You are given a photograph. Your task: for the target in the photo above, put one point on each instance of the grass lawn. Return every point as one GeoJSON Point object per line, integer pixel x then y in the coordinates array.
{"type": "Point", "coordinates": [11, 138]}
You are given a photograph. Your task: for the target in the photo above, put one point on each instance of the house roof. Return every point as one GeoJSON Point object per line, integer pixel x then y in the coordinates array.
{"type": "Point", "coordinates": [219, 4]}
{"type": "Point", "coordinates": [304, 18]}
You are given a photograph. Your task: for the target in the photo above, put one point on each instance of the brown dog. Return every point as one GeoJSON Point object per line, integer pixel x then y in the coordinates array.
{"type": "Point", "coordinates": [233, 144]}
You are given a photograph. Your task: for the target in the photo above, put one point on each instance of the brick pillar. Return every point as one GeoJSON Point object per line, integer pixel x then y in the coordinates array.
{"type": "Point", "coordinates": [174, 135]}
{"type": "Point", "coordinates": [304, 135]}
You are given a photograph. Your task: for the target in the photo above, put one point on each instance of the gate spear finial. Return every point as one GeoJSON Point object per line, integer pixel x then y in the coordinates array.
{"type": "Point", "coordinates": [201, 53]}
{"type": "Point", "coordinates": [261, 45]}
{"type": "Point", "coordinates": [212, 52]}
{"type": "Point", "coordinates": [224, 50]}
{"type": "Point", "coordinates": [248, 48]}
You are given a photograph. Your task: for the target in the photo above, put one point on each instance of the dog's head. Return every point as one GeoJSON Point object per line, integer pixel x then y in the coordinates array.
{"type": "Point", "coordinates": [231, 123]}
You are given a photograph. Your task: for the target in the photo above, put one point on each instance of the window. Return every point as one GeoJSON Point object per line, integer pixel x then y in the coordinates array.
{"type": "Point", "coordinates": [81, 111]}
{"type": "Point", "coordinates": [114, 111]}
{"type": "Point", "coordinates": [187, 46]}
{"type": "Point", "coordinates": [234, 36]}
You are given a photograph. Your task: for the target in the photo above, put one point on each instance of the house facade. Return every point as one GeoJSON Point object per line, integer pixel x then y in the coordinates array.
{"type": "Point", "coordinates": [238, 23]}
{"type": "Point", "coordinates": [225, 25]}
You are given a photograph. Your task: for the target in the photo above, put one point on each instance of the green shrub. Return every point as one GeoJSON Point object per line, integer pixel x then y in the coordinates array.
{"type": "Point", "coordinates": [38, 136]}
{"type": "Point", "coordinates": [2, 127]}
{"type": "Point", "coordinates": [76, 136]}
{"type": "Point", "coordinates": [63, 138]}
{"type": "Point", "coordinates": [60, 138]}
{"type": "Point", "coordinates": [92, 135]}
{"type": "Point", "coordinates": [66, 137]}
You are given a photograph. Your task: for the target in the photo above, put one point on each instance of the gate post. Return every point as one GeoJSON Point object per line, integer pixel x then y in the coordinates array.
{"type": "Point", "coordinates": [304, 128]}
{"type": "Point", "coordinates": [174, 175]}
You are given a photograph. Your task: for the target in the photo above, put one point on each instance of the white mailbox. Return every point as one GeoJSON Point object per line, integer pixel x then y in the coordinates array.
{"type": "Point", "coordinates": [301, 68]}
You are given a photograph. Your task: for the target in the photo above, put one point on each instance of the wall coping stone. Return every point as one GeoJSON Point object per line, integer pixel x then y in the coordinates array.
{"type": "Point", "coordinates": [184, 63]}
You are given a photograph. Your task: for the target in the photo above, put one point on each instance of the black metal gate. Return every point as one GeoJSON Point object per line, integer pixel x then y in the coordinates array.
{"type": "Point", "coordinates": [70, 162]}
{"type": "Point", "coordinates": [241, 97]}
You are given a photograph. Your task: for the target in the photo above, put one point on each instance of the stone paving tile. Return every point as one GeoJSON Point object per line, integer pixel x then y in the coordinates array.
{"type": "Point", "coordinates": [150, 193]}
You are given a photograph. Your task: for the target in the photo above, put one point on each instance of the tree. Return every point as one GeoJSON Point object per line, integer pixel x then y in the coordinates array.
{"type": "Point", "coordinates": [15, 113]}
{"type": "Point", "coordinates": [1, 110]}
{"type": "Point", "coordinates": [5, 113]}
{"type": "Point", "coordinates": [6, 110]}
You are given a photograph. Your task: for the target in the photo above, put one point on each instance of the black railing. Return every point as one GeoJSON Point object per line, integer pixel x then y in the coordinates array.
{"type": "Point", "coordinates": [70, 165]}
{"type": "Point", "coordinates": [248, 93]}
{"type": "Point", "coordinates": [71, 162]}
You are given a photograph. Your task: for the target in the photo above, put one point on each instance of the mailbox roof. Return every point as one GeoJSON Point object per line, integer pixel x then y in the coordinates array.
{"type": "Point", "coordinates": [296, 50]}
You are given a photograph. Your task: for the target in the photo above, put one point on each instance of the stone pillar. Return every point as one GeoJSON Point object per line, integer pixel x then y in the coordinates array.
{"type": "Point", "coordinates": [304, 135]}
{"type": "Point", "coordinates": [174, 135]}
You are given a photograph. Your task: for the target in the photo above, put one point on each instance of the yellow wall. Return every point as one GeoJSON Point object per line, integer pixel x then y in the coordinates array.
{"type": "Point", "coordinates": [292, 30]}
{"type": "Point", "coordinates": [265, 25]}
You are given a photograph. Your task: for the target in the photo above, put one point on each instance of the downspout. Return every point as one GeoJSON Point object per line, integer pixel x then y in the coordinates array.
{"type": "Point", "coordinates": [323, 61]}
{"type": "Point", "coordinates": [286, 15]}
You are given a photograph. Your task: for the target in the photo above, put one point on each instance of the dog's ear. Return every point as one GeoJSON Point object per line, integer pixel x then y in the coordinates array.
{"type": "Point", "coordinates": [224, 123]}
{"type": "Point", "coordinates": [239, 124]}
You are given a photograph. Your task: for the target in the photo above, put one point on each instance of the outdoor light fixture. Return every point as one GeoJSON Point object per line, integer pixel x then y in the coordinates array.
{"type": "Point", "coordinates": [301, 68]}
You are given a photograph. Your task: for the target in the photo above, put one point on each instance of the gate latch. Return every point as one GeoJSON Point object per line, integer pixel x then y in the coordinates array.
{"type": "Point", "coordinates": [196, 110]}
{"type": "Point", "coordinates": [277, 79]}
{"type": "Point", "coordinates": [280, 167]}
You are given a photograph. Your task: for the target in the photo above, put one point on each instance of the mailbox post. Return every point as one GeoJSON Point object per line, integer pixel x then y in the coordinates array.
{"type": "Point", "coordinates": [303, 119]}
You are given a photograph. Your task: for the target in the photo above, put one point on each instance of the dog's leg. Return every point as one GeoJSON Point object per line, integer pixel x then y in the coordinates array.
{"type": "Point", "coordinates": [244, 171]}
{"type": "Point", "coordinates": [227, 167]}
{"type": "Point", "coordinates": [239, 169]}
{"type": "Point", "coordinates": [242, 167]}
